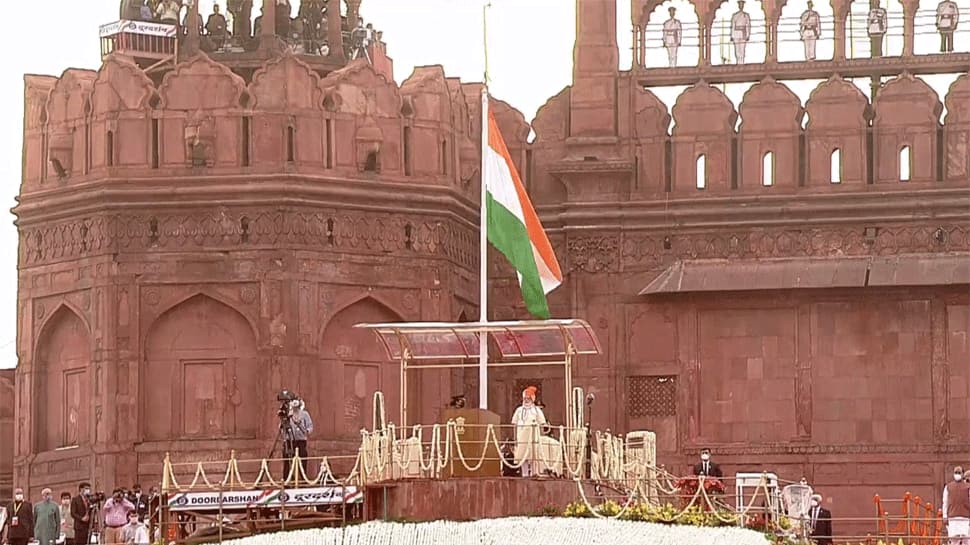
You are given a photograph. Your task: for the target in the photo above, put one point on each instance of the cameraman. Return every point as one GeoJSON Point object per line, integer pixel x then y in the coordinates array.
{"type": "Point", "coordinates": [81, 513]}
{"type": "Point", "coordinates": [301, 426]}
{"type": "Point", "coordinates": [116, 511]}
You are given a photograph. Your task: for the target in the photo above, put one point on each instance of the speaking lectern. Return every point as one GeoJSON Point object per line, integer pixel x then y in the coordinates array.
{"type": "Point", "coordinates": [471, 427]}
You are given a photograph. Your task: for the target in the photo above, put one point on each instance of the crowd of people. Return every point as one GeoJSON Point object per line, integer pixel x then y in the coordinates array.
{"type": "Point", "coordinates": [305, 33]}
{"type": "Point", "coordinates": [124, 518]}
{"type": "Point", "coordinates": [956, 504]}
{"type": "Point", "coordinates": [810, 29]}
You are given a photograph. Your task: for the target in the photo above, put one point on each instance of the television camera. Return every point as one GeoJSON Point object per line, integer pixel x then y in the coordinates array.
{"type": "Point", "coordinates": [288, 403]}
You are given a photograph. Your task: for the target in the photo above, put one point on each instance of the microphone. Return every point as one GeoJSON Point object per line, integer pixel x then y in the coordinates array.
{"type": "Point", "coordinates": [590, 397]}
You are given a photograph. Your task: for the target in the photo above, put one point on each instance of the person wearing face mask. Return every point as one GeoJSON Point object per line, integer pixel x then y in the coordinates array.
{"type": "Point", "coordinates": [19, 526]}
{"type": "Point", "coordinates": [81, 513]}
{"type": "Point", "coordinates": [956, 508]}
{"type": "Point", "coordinates": [47, 519]}
{"type": "Point", "coordinates": [140, 501]}
{"type": "Point", "coordinates": [528, 418]}
{"type": "Point", "coordinates": [706, 467]}
{"type": "Point", "coordinates": [820, 521]}
{"type": "Point", "coordinates": [67, 524]}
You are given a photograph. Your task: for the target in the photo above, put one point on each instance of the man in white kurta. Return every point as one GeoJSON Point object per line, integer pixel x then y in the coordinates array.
{"type": "Point", "coordinates": [947, 17]}
{"type": "Point", "coordinates": [876, 26]}
{"type": "Point", "coordinates": [528, 419]}
{"type": "Point", "coordinates": [956, 508]}
{"type": "Point", "coordinates": [672, 36]}
{"type": "Point", "coordinates": [740, 31]}
{"type": "Point", "coordinates": [810, 28]}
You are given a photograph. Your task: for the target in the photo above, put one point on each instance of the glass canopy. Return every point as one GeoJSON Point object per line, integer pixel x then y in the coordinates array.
{"type": "Point", "coordinates": [511, 340]}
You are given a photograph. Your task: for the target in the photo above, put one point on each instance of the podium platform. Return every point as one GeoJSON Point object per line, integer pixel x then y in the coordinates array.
{"type": "Point", "coordinates": [472, 429]}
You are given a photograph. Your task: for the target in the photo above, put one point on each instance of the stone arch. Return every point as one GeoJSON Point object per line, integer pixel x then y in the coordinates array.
{"type": "Point", "coordinates": [653, 18]}
{"type": "Point", "coordinates": [62, 356]}
{"type": "Point", "coordinates": [205, 350]}
{"type": "Point", "coordinates": [354, 365]}
{"type": "Point", "coordinates": [704, 121]}
{"type": "Point", "coordinates": [431, 97]}
{"type": "Point", "coordinates": [120, 85]}
{"type": "Point", "coordinates": [363, 90]}
{"type": "Point", "coordinates": [957, 130]}
{"type": "Point", "coordinates": [287, 105]}
{"type": "Point", "coordinates": [907, 114]}
{"type": "Point", "coordinates": [722, 48]}
{"type": "Point", "coordinates": [180, 87]}
{"type": "Point", "coordinates": [285, 84]}
{"type": "Point", "coordinates": [857, 42]}
{"type": "Point", "coordinates": [651, 123]}
{"type": "Point", "coordinates": [791, 47]}
{"type": "Point", "coordinates": [771, 122]}
{"type": "Point", "coordinates": [838, 116]}
{"type": "Point", "coordinates": [66, 101]}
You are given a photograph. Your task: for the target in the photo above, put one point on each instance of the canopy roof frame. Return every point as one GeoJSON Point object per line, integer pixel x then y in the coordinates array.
{"type": "Point", "coordinates": [453, 345]}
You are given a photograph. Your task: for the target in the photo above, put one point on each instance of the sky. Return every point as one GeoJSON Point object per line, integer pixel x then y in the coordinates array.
{"type": "Point", "coordinates": [530, 45]}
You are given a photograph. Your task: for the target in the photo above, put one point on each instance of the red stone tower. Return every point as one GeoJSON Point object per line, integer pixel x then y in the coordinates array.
{"type": "Point", "coordinates": [199, 235]}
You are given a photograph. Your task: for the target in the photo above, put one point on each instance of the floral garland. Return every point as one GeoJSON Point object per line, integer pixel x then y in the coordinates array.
{"type": "Point", "coordinates": [534, 531]}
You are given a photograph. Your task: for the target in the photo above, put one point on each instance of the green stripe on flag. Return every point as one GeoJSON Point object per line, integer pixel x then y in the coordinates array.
{"type": "Point", "coordinates": [508, 234]}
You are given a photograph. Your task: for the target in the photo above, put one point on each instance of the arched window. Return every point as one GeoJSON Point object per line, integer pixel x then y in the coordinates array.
{"type": "Point", "coordinates": [768, 169]}
{"type": "Point", "coordinates": [905, 163]}
{"type": "Point", "coordinates": [836, 166]}
{"type": "Point", "coordinates": [701, 172]}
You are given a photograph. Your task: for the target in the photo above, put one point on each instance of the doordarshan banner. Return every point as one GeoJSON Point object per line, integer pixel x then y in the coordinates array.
{"type": "Point", "coordinates": [294, 497]}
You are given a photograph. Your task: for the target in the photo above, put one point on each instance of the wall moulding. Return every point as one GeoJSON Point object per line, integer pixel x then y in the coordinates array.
{"type": "Point", "coordinates": [205, 230]}
{"type": "Point", "coordinates": [635, 251]}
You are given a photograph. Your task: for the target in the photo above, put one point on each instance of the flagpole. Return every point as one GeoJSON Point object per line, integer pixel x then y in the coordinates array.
{"type": "Point", "coordinates": [483, 233]}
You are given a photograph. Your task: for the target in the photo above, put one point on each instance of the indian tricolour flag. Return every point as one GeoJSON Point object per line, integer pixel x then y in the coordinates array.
{"type": "Point", "coordinates": [513, 226]}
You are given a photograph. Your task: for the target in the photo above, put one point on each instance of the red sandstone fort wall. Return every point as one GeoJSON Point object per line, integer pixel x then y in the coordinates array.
{"type": "Point", "coordinates": [191, 253]}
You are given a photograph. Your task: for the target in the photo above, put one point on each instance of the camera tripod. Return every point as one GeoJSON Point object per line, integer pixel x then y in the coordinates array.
{"type": "Point", "coordinates": [95, 533]}
{"type": "Point", "coordinates": [284, 433]}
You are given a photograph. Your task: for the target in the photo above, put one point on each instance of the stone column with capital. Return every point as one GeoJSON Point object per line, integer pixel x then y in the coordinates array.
{"type": "Point", "coordinates": [840, 10]}
{"type": "Point", "coordinates": [909, 25]}
{"type": "Point", "coordinates": [773, 12]}
{"type": "Point", "coordinates": [706, 21]}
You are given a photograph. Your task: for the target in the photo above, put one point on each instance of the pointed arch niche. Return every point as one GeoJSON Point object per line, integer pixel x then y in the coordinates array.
{"type": "Point", "coordinates": [200, 375]}
{"type": "Point", "coordinates": [354, 366]}
{"type": "Point", "coordinates": [858, 45]}
{"type": "Point", "coordinates": [62, 401]}
{"type": "Point", "coordinates": [722, 48]}
{"type": "Point", "coordinates": [790, 44]}
{"type": "Point", "coordinates": [688, 54]}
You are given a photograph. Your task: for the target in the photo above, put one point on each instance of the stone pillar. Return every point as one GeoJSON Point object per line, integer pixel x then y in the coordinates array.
{"type": "Point", "coordinates": [840, 10]}
{"type": "Point", "coordinates": [940, 370]}
{"type": "Point", "coordinates": [771, 48]}
{"type": "Point", "coordinates": [267, 33]}
{"type": "Point", "coordinates": [353, 13]}
{"type": "Point", "coordinates": [595, 64]}
{"type": "Point", "coordinates": [706, 21]}
{"type": "Point", "coordinates": [335, 36]}
{"type": "Point", "coordinates": [192, 38]}
{"type": "Point", "coordinates": [909, 26]}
